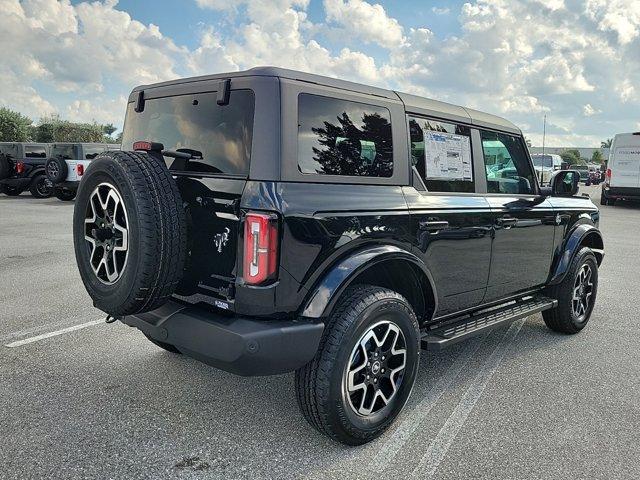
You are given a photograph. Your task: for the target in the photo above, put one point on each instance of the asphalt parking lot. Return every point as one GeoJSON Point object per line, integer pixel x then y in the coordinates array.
{"type": "Point", "coordinates": [103, 402]}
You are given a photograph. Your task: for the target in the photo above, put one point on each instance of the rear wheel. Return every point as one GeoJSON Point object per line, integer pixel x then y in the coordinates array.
{"type": "Point", "coordinates": [65, 195]}
{"type": "Point", "coordinates": [576, 295]}
{"type": "Point", "coordinates": [365, 367]}
{"type": "Point", "coordinates": [41, 186]}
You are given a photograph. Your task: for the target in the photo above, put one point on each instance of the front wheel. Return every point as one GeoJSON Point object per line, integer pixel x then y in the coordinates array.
{"type": "Point", "coordinates": [41, 187]}
{"type": "Point", "coordinates": [576, 295]}
{"type": "Point", "coordinates": [365, 367]}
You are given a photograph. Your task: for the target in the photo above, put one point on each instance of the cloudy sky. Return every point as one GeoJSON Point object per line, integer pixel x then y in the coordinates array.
{"type": "Point", "coordinates": [577, 61]}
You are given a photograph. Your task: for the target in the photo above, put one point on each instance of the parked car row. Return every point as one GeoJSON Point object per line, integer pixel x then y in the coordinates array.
{"type": "Point", "coordinates": [46, 169]}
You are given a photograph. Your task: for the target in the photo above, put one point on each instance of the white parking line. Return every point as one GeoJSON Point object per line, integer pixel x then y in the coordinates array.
{"type": "Point", "coordinates": [413, 418]}
{"type": "Point", "coordinates": [438, 448]}
{"type": "Point", "coordinates": [44, 336]}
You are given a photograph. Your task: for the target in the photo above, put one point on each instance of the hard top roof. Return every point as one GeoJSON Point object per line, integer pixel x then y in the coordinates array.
{"type": "Point", "coordinates": [413, 103]}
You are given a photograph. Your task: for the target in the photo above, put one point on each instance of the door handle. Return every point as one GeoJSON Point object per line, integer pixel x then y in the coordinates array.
{"type": "Point", "coordinates": [507, 222]}
{"type": "Point", "coordinates": [433, 225]}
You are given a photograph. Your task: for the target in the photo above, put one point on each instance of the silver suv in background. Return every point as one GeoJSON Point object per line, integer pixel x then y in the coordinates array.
{"type": "Point", "coordinates": [68, 163]}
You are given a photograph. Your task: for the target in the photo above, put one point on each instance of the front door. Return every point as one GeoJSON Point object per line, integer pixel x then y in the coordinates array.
{"type": "Point", "coordinates": [451, 224]}
{"type": "Point", "coordinates": [523, 221]}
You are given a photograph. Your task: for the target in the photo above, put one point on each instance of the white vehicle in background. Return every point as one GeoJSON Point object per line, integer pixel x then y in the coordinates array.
{"type": "Point", "coordinates": [622, 180]}
{"type": "Point", "coordinates": [545, 165]}
{"type": "Point", "coordinates": [67, 165]}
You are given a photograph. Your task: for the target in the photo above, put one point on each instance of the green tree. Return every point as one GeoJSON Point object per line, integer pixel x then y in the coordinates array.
{"type": "Point", "coordinates": [597, 157]}
{"type": "Point", "coordinates": [572, 157]}
{"type": "Point", "coordinates": [53, 129]}
{"type": "Point", "coordinates": [14, 127]}
{"type": "Point", "coordinates": [108, 129]}
{"type": "Point", "coordinates": [607, 143]}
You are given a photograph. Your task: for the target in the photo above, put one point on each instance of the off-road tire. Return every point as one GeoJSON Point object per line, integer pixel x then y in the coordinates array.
{"type": "Point", "coordinates": [38, 186]}
{"type": "Point", "coordinates": [165, 346]}
{"type": "Point", "coordinates": [5, 167]}
{"type": "Point", "coordinates": [65, 195]}
{"type": "Point", "coordinates": [156, 226]}
{"type": "Point", "coordinates": [319, 384]}
{"type": "Point", "coordinates": [56, 169]}
{"type": "Point", "coordinates": [562, 318]}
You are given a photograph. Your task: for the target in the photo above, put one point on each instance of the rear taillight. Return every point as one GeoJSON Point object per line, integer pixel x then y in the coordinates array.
{"type": "Point", "coordinates": [80, 169]}
{"type": "Point", "coordinates": [260, 247]}
{"type": "Point", "coordinates": [19, 167]}
{"type": "Point", "coordinates": [607, 177]}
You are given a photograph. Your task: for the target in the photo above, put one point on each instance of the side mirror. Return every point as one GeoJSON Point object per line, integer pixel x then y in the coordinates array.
{"type": "Point", "coordinates": [564, 183]}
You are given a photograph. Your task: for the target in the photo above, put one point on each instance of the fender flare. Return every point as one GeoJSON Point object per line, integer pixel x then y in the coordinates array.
{"type": "Point", "coordinates": [571, 246]}
{"type": "Point", "coordinates": [340, 275]}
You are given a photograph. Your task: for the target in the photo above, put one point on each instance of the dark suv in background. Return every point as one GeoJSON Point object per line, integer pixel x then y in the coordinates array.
{"type": "Point", "coordinates": [22, 168]}
{"type": "Point", "coordinates": [270, 221]}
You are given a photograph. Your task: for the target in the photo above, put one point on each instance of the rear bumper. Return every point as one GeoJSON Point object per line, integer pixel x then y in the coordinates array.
{"type": "Point", "coordinates": [621, 192]}
{"type": "Point", "coordinates": [244, 346]}
{"type": "Point", "coordinates": [19, 183]}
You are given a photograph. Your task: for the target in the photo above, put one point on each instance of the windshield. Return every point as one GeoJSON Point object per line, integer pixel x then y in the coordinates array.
{"type": "Point", "coordinates": [66, 152]}
{"type": "Point", "coordinates": [543, 161]}
{"type": "Point", "coordinates": [218, 137]}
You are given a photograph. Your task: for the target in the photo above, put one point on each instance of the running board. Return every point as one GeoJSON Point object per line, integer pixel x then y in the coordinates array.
{"type": "Point", "coordinates": [456, 330]}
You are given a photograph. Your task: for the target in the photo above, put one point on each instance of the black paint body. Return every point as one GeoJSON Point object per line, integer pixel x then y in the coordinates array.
{"type": "Point", "coordinates": [335, 231]}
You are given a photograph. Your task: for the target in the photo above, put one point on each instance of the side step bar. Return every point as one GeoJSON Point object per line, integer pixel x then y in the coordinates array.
{"type": "Point", "coordinates": [456, 330]}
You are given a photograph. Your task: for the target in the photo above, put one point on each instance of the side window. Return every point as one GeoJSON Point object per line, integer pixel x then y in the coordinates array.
{"type": "Point", "coordinates": [340, 137]}
{"type": "Point", "coordinates": [92, 152]}
{"type": "Point", "coordinates": [441, 152]}
{"type": "Point", "coordinates": [35, 152]}
{"type": "Point", "coordinates": [506, 164]}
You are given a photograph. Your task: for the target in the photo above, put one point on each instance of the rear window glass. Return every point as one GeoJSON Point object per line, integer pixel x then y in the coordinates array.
{"type": "Point", "coordinates": [35, 152]}
{"type": "Point", "coordinates": [218, 137]}
{"type": "Point", "coordinates": [339, 137]}
{"type": "Point", "coordinates": [10, 150]}
{"type": "Point", "coordinates": [92, 152]}
{"type": "Point", "coordinates": [66, 152]}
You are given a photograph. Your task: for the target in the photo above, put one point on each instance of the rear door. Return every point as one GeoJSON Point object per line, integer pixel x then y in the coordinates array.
{"type": "Point", "coordinates": [523, 221]}
{"type": "Point", "coordinates": [450, 222]}
{"type": "Point", "coordinates": [187, 118]}
{"type": "Point", "coordinates": [625, 168]}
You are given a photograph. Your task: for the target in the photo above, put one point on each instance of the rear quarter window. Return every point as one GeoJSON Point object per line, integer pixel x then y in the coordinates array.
{"type": "Point", "coordinates": [340, 137]}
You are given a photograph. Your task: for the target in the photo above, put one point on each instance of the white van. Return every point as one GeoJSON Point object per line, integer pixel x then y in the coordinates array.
{"type": "Point", "coordinates": [622, 180]}
{"type": "Point", "coordinates": [545, 165]}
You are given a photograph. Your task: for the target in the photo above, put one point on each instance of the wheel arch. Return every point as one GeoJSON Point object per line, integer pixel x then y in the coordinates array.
{"type": "Point", "coordinates": [583, 235]}
{"type": "Point", "coordinates": [384, 265]}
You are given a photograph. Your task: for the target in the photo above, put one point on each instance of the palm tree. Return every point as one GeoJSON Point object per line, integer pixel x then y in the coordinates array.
{"type": "Point", "coordinates": [607, 143]}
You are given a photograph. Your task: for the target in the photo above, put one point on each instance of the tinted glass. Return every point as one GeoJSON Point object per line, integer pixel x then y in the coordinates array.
{"type": "Point", "coordinates": [441, 152]}
{"type": "Point", "coordinates": [338, 137]}
{"type": "Point", "coordinates": [35, 152]}
{"type": "Point", "coordinates": [10, 150]}
{"type": "Point", "coordinates": [66, 152]}
{"type": "Point", "coordinates": [506, 164]}
{"type": "Point", "coordinates": [218, 137]}
{"type": "Point", "coordinates": [542, 161]}
{"type": "Point", "coordinates": [92, 152]}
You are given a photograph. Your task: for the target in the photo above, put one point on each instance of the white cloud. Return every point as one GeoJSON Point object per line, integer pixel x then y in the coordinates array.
{"type": "Point", "coordinates": [441, 10]}
{"type": "Point", "coordinates": [518, 58]}
{"type": "Point", "coordinates": [365, 21]}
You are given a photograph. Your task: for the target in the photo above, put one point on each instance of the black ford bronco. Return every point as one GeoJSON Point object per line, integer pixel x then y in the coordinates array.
{"type": "Point", "coordinates": [270, 221]}
{"type": "Point", "coordinates": [22, 168]}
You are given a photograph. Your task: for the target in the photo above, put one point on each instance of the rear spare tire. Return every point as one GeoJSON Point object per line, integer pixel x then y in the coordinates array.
{"type": "Point", "coordinates": [129, 233]}
{"type": "Point", "coordinates": [56, 169]}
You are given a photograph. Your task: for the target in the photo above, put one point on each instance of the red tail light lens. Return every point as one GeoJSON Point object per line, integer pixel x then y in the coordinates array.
{"type": "Point", "coordinates": [607, 177]}
{"type": "Point", "coordinates": [19, 167]}
{"type": "Point", "coordinates": [260, 247]}
{"type": "Point", "coordinates": [80, 169]}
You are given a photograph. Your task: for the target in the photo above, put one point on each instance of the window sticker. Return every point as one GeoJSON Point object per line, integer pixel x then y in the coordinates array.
{"type": "Point", "coordinates": [448, 156]}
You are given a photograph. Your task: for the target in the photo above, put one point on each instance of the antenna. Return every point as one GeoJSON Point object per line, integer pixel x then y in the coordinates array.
{"type": "Point", "coordinates": [544, 132]}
